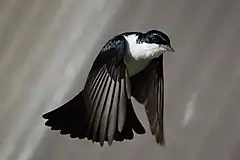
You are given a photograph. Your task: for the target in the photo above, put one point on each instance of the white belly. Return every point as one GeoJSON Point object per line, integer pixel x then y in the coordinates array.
{"type": "Point", "coordinates": [134, 66]}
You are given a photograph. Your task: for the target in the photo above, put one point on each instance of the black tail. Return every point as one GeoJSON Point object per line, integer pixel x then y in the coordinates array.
{"type": "Point", "coordinates": [71, 118]}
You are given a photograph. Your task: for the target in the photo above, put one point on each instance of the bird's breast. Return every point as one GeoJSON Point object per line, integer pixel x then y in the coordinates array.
{"type": "Point", "coordinates": [134, 66]}
{"type": "Point", "coordinates": [139, 55]}
{"type": "Point", "coordinates": [142, 50]}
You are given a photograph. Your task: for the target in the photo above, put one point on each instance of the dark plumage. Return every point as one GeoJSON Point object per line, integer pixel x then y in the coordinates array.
{"type": "Point", "coordinates": [103, 110]}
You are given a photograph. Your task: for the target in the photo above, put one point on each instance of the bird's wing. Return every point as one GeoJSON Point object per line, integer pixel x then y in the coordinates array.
{"type": "Point", "coordinates": [107, 91]}
{"type": "Point", "coordinates": [148, 89]}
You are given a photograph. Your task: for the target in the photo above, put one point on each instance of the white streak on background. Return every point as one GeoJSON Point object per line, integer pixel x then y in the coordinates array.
{"type": "Point", "coordinates": [59, 88]}
{"type": "Point", "coordinates": [189, 111]}
{"type": "Point", "coordinates": [8, 144]}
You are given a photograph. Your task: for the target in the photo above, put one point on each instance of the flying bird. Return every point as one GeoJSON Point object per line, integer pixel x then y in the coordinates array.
{"type": "Point", "coordinates": [129, 65]}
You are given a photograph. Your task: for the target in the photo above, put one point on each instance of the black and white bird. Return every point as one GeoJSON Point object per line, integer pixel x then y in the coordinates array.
{"type": "Point", "coordinates": [129, 65]}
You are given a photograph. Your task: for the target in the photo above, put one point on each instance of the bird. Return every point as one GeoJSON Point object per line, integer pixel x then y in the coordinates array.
{"type": "Point", "coordinates": [129, 66]}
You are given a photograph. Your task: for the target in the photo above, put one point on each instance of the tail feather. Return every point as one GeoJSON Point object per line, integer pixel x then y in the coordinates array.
{"type": "Point", "coordinates": [71, 119]}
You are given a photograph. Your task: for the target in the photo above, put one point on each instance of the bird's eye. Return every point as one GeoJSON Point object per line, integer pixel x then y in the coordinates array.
{"type": "Point", "coordinates": [154, 39]}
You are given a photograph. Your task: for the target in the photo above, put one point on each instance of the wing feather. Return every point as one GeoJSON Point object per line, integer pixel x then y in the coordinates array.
{"type": "Point", "coordinates": [108, 106]}
{"type": "Point", "coordinates": [148, 89]}
{"type": "Point", "coordinates": [103, 110]}
{"type": "Point", "coordinates": [107, 94]}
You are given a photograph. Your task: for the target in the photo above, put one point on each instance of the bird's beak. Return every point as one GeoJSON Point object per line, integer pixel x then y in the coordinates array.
{"type": "Point", "coordinates": [169, 48]}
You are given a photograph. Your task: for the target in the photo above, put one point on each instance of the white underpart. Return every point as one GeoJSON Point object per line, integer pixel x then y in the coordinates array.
{"type": "Point", "coordinates": [140, 54]}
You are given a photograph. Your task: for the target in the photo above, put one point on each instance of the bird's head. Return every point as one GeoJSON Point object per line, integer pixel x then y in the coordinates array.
{"type": "Point", "coordinates": [159, 38]}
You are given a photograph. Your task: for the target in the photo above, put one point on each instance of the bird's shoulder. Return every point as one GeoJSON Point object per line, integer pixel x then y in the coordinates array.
{"type": "Point", "coordinates": [115, 43]}
{"type": "Point", "coordinates": [116, 47]}
{"type": "Point", "coordinates": [113, 48]}
{"type": "Point", "coordinates": [119, 41]}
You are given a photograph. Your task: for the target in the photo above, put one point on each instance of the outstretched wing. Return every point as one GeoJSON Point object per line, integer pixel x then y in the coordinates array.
{"type": "Point", "coordinates": [107, 92]}
{"type": "Point", "coordinates": [102, 111]}
{"type": "Point", "coordinates": [148, 89]}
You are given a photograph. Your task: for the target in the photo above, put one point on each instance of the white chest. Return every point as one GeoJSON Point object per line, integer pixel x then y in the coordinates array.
{"type": "Point", "coordinates": [142, 50]}
{"type": "Point", "coordinates": [140, 55]}
{"type": "Point", "coordinates": [134, 66]}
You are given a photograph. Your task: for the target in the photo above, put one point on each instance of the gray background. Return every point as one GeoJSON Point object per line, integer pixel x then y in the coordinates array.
{"type": "Point", "coordinates": [46, 50]}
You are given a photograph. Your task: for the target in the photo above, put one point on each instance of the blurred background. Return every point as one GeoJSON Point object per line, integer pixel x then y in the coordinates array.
{"type": "Point", "coordinates": [46, 51]}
